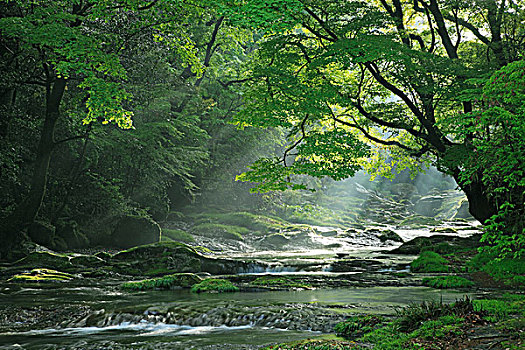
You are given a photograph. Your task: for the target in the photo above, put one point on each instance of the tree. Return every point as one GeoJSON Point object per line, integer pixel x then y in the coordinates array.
{"type": "Point", "coordinates": [386, 85]}
{"type": "Point", "coordinates": [59, 45]}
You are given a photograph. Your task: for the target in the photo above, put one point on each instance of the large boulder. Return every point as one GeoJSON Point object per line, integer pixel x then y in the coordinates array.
{"type": "Point", "coordinates": [72, 237]}
{"type": "Point", "coordinates": [172, 257]}
{"type": "Point", "coordinates": [442, 244]}
{"type": "Point", "coordinates": [132, 231]}
{"type": "Point", "coordinates": [41, 232]}
{"type": "Point", "coordinates": [428, 205]}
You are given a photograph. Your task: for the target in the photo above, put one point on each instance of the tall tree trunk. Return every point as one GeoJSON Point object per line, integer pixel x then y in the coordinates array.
{"type": "Point", "coordinates": [480, 205]}
{"type": "Point", "coordinates": [12, 230]}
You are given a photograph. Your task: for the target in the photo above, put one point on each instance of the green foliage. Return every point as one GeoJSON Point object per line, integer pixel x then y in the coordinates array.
{"type": "Point", "coordinates": [429, 261]}
{"type": "Point", "coordinates": [214, 285]}
{"type": "Point", "coordinates": [509, 271]}
{"type": "Point", "coordinates": [501, 307]}
{"type": "Point", "coordinates": [185, 280]}
{"type": "Point", "coordinates": [177, 235]}
{"type": "Point", "coordinates": [313, 344]}
{"type": "Point", "coordinates": [252, 222]}
{"type": "Point", "coordinates": [355, 326]}
{"type": "Point", "coordinates": [445, 282]}
{"type": "Point", "coordinates": [411, 317]}
{"type": "Point", "coordinates": [389, 338]}
{"type": "Point", "coordinates": [439, 328]}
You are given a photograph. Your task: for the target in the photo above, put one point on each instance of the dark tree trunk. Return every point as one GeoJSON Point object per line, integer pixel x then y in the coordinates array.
{"type": "Point", "coordinates": [480, 205]}
{"type": "Point", "coordinates": [12, 230]}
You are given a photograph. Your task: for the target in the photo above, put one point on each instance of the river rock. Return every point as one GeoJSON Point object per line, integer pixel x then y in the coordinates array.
{"type": "Point", "coordinates": [389, 235]}
{"type": "Point", "coordinates": [41, 232]}
{"type": "Point", "coordinates": [172, 257]}
{"type": "Point", "coordinates": [275, 240]}
{"type": "Point", "coordinates": [73, 238]}
{"type": "Point", "coordinates": [133, 231]}
{"type": "Point", "coordinates": [438, 243]}
{"type": "Point", "coordinates": [428, 205]}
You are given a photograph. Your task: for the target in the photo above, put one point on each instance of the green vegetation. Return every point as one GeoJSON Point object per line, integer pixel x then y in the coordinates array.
{"type": "Point", "coordinates": [444, 282]}
{"type": "Point", "coordinates": [214, 285]}
{"type": "Point", "coordinates": [41, 275]}
{"type": "Point", "coordinates": [252, 222]}
{"type": "Point", "coordinates": [279, 282]}
{"type": "Point", "coordinates": [509, 271]}
{"type": "Point", "coordinates": [500, 308]}
{"type": "Point", "coordinates": [314, 344]}
{"type": "Point", "coordinates": [183, 280]}
{"type": "Point", "coordinates": [356, 326]}
{"type": "Point", "coordinates": [429, 261]}
{"type": "Point", "coordinates": [439, 328]}
{"type": "Point", "coordinates": [177, 235]}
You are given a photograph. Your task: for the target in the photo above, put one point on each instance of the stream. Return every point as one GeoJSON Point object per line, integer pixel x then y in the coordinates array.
{"type": "Point", "coordinates": [98, 314]}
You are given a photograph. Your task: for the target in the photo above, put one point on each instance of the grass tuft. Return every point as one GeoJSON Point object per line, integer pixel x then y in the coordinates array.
{"type": "Point", "coordinates": [445, 282]}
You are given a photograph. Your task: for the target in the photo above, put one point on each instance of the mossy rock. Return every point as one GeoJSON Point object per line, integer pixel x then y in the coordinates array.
{"type": "Point", "coordinates": [103, 255]}
{"type": "Point", "coordinates": [41, 275]}
{"type": "Point", "coordinates": [215, 286]}
{"type": "Point", "coordinates": [132, 231]}
{"type": "Point", "coordinates": [41, 232]}
{"type": "Point", "coordinates": [276, 240]}
{"type": "Point", "coordinates": [171, 257]}
{"type": "Point", "coordinates": [419, 221]}
{"type": "Point", "coordinates": [389, 235]}
{"type": "Point", "coordinates": [429, 262]}
{"type": "Point", "coordinates": [87, 261]}
{"type": "Point", "coordinates": [445, 282]}
{"type": "Point", "coordinates": [72, 237]}
{"type": "Point", "coordinates": [444, 230]}
{"type": "Point", "coordinates": [178, 280]}
{"type": "Point", "coordinates": [47, 260]}
{"type": "Point", "coordinates": [446, 244]}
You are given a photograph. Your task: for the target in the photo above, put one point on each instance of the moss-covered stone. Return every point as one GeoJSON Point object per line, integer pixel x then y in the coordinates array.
{"type": "Point", "coordinates": [41, 275]}
{"type": "Point", "coordinates": [47, 260]}
{"type": "Point", "coordinates": [445, 282]}
{"type": "Point", "coordinates": [41, 232]}
{"type": "Point", "coordinates": [429, 262]}
{"type": "Point", "coordinates": [447, 244]}
{"type": "Point", "coordinates": [132, 231]}
{"type": "Point", "coordinates": [87, 261]}
{"type": "Point", "coordinates": [214, 285]}
{"type": "Point", "coordinates": [181, 280]}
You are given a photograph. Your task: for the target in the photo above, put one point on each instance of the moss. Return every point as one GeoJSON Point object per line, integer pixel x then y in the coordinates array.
{"type": "Point", "coordinates": [177, 235]}
{"type": "Point", "coordinates": [278, 282]}
{"type": "Point", "coordinates": [358, 325]}
{"type": "Point", "coordinates": [503, 306]}
{"type": "Point", "coordinates": [47, 260]}
{"type": "Point", "coordinates": [429, 262]}
{"type": "Point", "coordinates": [314, 344]}
{"type": "Point", "coordinates": [443, 326]}
{"type": "Point", "coordinates": [220, 230]}
{"type": "Point", "coordinates": [184, 280]}
{"type": "Point", "coordinates": [444, 282]}
{"type": "Point", "coordinates": [214, 285]}
{"type": "Point", "coordinates": [41, 275]}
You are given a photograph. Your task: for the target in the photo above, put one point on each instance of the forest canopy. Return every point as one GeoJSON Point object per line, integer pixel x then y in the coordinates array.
{"type": "Point", "coordinates": [112, 108]}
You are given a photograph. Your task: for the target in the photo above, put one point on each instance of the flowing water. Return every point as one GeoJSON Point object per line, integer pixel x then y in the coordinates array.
{"type": "Point", "coordinates": [179, 319]}
{"type": "Point", "coordinates": [89, 314]}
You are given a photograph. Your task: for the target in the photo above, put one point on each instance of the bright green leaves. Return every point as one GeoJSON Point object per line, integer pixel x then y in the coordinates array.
{"type": "Point", "coordinates": [330, 153]}
{"type": "Point", "coordinates": [82, 42]}
{"type": "Point", "coordinates": [272, 15]}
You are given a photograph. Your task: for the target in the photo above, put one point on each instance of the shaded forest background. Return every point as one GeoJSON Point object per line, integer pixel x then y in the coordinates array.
{"type": "Point", "coordinates": [128, 108]}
